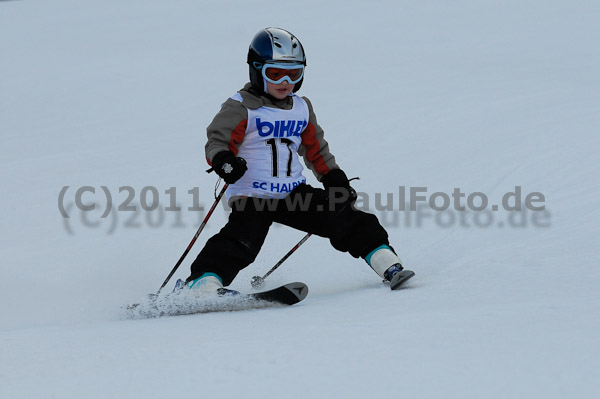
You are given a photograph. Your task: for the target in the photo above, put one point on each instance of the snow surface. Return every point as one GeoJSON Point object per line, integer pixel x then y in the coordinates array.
{"type": "Point", "coordinates": [479, 95]}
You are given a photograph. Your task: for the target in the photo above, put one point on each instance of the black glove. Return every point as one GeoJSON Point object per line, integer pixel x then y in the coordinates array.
{"type": "Point", "coordinates": [229, 167]}
{"type": "Point", "coordinates": [338, 189]}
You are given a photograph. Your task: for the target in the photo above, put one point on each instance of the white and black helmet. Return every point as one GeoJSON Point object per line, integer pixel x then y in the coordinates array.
{"type": "Point", "coordinates": [273, 45]}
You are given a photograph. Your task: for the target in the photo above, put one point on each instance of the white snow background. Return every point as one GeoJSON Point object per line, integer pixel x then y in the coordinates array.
{"type": "Point", "coordinates": [478, 95]}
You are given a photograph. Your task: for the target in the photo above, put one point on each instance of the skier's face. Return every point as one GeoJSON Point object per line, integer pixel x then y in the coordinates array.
{"type": "Point", "coordinates": [281, 90]}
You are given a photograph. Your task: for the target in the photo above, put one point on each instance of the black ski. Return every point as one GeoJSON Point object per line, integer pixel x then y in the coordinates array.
{"type": "Point", "coordinates": [288, 294]}
{"type": "Point", "coordinates": [184, 302]}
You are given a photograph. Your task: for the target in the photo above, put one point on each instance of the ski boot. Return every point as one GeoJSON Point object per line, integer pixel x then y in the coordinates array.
{"type": "Point", "coordinates": [209, 284]}
{"type": "Point", "coordinates": [384, 261]}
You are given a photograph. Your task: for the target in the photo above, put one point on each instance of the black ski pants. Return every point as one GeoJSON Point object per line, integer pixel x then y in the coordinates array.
{"type": "Point", "coordinates": [306, 209]}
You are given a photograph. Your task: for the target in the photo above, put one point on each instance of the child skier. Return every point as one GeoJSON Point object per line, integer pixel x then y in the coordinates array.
{"type": "Point", "coordinates": [254, 143]}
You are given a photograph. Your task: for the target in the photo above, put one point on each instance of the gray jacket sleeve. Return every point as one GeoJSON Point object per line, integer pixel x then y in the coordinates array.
{"type": "Point", "coordinates": [314, 148]}
{"type": "Point", "coordinates": [227, 129]}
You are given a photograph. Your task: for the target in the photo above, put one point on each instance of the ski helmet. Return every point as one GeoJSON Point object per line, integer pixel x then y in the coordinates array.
{"type": "Point", "coordinates": [273, 45]}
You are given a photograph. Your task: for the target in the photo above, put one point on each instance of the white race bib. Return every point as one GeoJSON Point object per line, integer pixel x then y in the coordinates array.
{"type": "Point", "coordinates": [270, 148]}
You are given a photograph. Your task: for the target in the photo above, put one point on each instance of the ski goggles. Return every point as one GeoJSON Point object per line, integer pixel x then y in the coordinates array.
{"type": "Point", "coordinates": [277, 73]}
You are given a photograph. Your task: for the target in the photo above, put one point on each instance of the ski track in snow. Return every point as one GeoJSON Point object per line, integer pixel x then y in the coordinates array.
{"type": "Point", "coordinates": [484, 96]}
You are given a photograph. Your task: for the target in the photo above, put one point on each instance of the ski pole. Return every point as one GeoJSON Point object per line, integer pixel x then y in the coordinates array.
{"type": "Point", "coordinates": [258, 281]}
{"type": "Point", "coordinates": [187, 250]}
